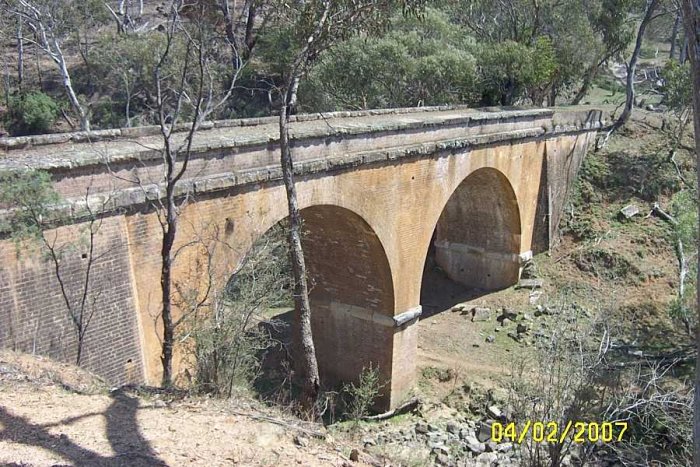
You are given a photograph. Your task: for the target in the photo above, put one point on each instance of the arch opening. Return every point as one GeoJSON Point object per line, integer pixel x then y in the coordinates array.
{"type": "Point", "coordinates": [350, 292]}
{"type": "Point", "coordinates": [476, 242]}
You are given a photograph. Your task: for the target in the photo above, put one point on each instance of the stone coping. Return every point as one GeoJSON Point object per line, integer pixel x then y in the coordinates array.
{"type": "Point", "coordinates": [81, 149]}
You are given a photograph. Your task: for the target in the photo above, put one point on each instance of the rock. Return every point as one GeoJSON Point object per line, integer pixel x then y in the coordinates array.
{"type": "Point", "coordinates": [490, 339]}
{"type": "Point", "coordinates": [481, 314]}
{"type": "Point", "coordinates": [527, 317]}
{"type": "Point", "coordinates": [629, 211]}
{"type": "Point", "coordinates": [498, 395]}
{"type": "Point", "coordinates": [369, 442]}
{"type": "Point", "coordinates": [355, 455]}
{"type": "Point", "coordinates": [465, 433]}
{"type": "Point", "coordinates": [504, 447]}
{"type": "Point", "coordinates": [528, 270]}
{"type": "Point", "coordinates": [440, 449]}
{"type": "Point", "coordinates": [522, 328]}
{"type": "Point", "coordinates": [534, 297]}
{"type": "Point", "coordinates": [497, 330]}
{"type": "Point", "coordinates": [514, 336]}
{"type": "Point", "coordinates": [529, 284]}
{"type": "Point", "coordinates": [159, 404]}
{"type": "Point", "coordinates": [442, 459]}
{"type": "Point", "coordinates": [650, 107]}
{"type": "Point", "coordinates": [421, 428]}
{"type": "Point", "coordinates": [463, 307]}
{"type": "Point", "coordinates": [486, 458]}
{"type": "Point", "coordinates": [301, 441]}
{"type": "Point", "coordinates": [484, 432]}
{"type": "Point", "coordinates": [474, 445]}
{"type": "Point", "coordinates": [453, 428]}
{"type": "Point", "coordinates": [507, 313]}
{"type": "Point", "coordinates": [494, 411]}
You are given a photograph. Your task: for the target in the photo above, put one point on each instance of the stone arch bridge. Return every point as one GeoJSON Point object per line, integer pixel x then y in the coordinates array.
{"type": "Point", "coordinates": [483, 189]}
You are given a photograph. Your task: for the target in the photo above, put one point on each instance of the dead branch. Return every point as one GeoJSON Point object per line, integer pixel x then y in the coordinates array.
{"type": "Point", "coordinates": [408, 406]}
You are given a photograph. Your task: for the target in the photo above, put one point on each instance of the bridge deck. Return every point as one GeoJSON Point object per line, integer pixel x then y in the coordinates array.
{"type": "Point", "coordinates": [69, 150]}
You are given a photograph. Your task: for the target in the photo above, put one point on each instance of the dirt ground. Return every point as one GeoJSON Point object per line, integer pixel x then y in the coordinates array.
{"type": "Point", "coordinates": [45, 424]}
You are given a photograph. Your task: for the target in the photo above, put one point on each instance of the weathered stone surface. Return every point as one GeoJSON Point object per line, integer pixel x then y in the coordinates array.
{"type": "Point", "coordinates": [495, 412]}
{"type": "Point", "coordinates": [629, 211]}
{"type": "Point", "coordinates": [529, 284]}
{"type": "Point", "coordinates": [481, 314]}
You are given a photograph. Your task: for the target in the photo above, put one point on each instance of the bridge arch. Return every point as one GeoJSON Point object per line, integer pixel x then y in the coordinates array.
{"type": "Point", "coordinates": [476, 241]}
{"type": "Point", "coordinates": [351, 293]}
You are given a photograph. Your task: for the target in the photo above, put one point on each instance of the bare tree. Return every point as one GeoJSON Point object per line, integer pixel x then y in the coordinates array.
{"type": "Point", "coordinates": [185, 92]}
{"type": "Point", "coordinates": [651, 7]}
{"type": "Point", "coordinates": [317, 26]}
{"type": "Point", "coordinates": [48, 31]}
{"type": "Point", "coordinates": [20, 53]}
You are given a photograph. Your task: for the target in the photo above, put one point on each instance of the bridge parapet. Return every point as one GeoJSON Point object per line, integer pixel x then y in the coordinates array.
{"type": "Point", "coordinates": [124, 164]}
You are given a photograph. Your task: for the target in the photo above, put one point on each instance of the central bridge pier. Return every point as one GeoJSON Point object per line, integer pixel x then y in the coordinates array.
{"type": "Point", "coordinates": [377, 189]}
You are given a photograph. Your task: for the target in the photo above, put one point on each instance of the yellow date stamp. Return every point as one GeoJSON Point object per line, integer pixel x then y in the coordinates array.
{"type": "Point", "coordinates": [553, 432]}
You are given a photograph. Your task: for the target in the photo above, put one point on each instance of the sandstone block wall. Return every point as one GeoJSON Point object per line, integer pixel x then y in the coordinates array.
{"type": "Point", "coordinates": [33, 314]}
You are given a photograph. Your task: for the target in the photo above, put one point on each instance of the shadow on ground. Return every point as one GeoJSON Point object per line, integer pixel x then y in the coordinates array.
{"type": "Point", "coordinates": [122, 431]}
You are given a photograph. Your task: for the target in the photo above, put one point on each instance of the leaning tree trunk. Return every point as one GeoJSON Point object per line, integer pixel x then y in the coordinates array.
{"type": "Point", "coordinates": [306, 365]}
{"type": "Point", "coordinates": [585, 86]}
{"type": "Point", "coordinates": [632, 67]}
{"type": "Point", "coordinates": [68, 85]}
{"type": "Point", "coordinates": [691, 23]}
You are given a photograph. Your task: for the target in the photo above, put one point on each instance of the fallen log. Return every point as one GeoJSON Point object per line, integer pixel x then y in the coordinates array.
{"type": "Point", "coordinates": [408, 406]}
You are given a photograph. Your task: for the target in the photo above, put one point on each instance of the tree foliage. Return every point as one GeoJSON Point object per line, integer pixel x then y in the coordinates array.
{"type": "Point", "coordinates": [31, 113]}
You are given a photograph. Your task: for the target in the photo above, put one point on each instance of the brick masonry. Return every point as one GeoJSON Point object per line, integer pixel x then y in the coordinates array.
{"type": "Point", "coordinates": [34, 317]}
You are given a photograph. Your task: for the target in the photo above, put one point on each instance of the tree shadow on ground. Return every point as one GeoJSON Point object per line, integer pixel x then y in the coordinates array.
{"type": "Point", "coordinates": [123, 433]}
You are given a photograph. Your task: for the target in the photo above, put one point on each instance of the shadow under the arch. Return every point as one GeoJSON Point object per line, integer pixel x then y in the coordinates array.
{"type": "Point", "coordinates": [440, 293]}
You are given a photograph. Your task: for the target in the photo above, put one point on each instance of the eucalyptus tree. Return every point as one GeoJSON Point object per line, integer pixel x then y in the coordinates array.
{"type": "Point", "coordinates": [308, 29]}
{"type": "Point", "coordinates": [52, 23]}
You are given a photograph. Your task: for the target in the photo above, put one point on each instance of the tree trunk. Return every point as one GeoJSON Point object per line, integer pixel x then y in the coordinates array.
{"type": "Point", "coordinates": [306, 365]}
{"type": "Point", "coordinates": [20, 54]}
{"type": "Point", "coordinates": [632, 67]}
{"type": "Point", "coordinates": [691, 23]}
{"type": "Point", "coordinates": [68, 85]}
{"type": "Point", "coordinates": [674, 36]}
{"type": "Point", "coordinates": [229, 27]}
{"type": "Point", "coordinates": [169, 231]}
{"type": "Point", "coordinates": [587, 80]}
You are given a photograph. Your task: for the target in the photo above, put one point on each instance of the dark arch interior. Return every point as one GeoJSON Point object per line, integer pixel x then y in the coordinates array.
{"type": "Point", "coordinates": [474, 248]}
{"type": "Point", "coordinates": [351, 288]}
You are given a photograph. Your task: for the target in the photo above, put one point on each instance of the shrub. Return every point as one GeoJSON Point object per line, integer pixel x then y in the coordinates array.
{"type": "Point", "coordinates": [31, 114]}
{"type": "Point", "coordinates": [228, 339]}
{"type": "Point", "coordinates": [361, 397]}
